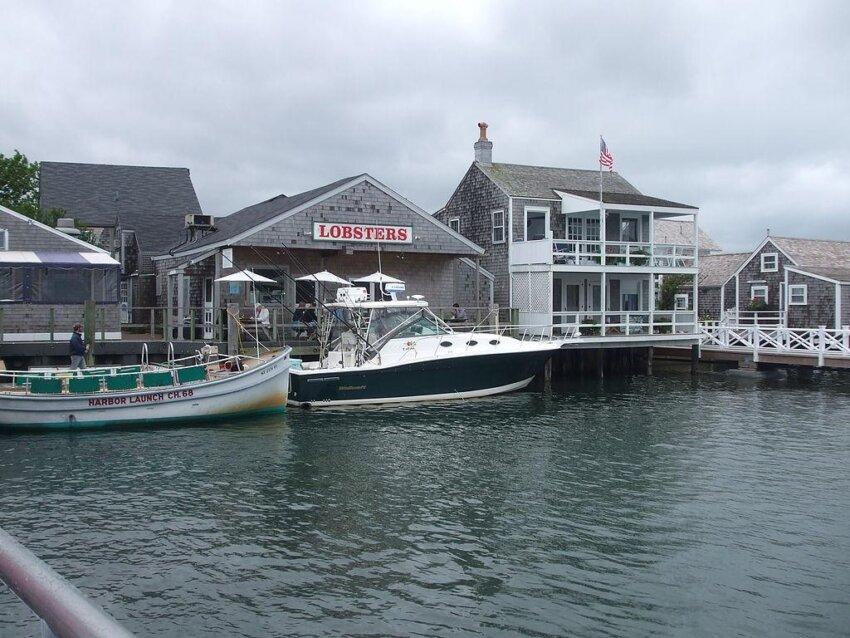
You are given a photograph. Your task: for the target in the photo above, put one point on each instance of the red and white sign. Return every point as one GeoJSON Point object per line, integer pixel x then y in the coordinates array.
{"type": "Point", "coordinates": [333, 231]}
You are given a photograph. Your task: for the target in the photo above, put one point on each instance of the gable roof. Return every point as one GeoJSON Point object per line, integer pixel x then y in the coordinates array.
{"type": "Point", "coordinates": [815, 252]}
{"type": "Point", "coordinates": [246, 219]}
{"type": "Point", "coordinates": [74, 240]}
{"type": "Point", "coordinates": [715, 270]}
{"type": "Point", "coordinates": [674, 231]}
{"type": "Point", "coordinates": [541, 182]}
{"type": "Point", "coordinates": [249, 220]}
{"type": "Point", "coordinates": [151, 200]}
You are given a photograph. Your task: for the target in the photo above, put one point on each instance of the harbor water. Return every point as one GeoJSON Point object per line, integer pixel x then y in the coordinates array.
{"type": "Point", "coordinates": [664, 505]}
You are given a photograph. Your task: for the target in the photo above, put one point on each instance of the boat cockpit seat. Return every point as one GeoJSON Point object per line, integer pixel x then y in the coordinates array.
{"type": "Point", "coordinates": [122, 382]}
{"type": "Point", "coordinates": [84, 385]}
{"type": "Point", "coordinates": [41, 385]}
{"type": "Point", "coordinates": [192, 374]}
{"type": "Point", "coordinates": [156, 379]}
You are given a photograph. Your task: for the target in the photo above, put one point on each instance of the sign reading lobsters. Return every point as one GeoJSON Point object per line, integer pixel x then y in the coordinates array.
{"type": "Point", "coordinates": [333, 231]}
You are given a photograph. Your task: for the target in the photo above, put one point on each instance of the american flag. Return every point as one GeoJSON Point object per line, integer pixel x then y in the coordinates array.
{"type": "Point", "coordinates": [605, 158]}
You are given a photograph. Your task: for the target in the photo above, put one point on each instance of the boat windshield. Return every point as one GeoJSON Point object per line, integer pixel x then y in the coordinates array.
{"type": "Point", "coordinates": [403, 324]}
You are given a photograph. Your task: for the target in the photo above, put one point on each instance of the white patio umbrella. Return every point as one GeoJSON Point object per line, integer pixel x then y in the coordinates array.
{"type": "Point", "coordinates": [323, 277]}
{"type": "Point", "coordinates": [253, 278]}
{"type": "Point", "coordinates": [378, 278]}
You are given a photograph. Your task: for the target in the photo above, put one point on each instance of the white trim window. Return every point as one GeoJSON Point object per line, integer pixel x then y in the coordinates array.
{"type": "Point", "coordinates": [770, 262]}
{"type": "Point", "coordinates": [681, 301]}
{"type": "Point", "coordinates": [454, 224]}
{"type": "Point", "coordinates": [4, 239]}
{"type": "Point", "coordinates": [497, 218]}
{"type": "Point", "coordinates": [759, 293]}
{"type": "Point", "coordinates": [798, 295]}
{"type": "Point", "coordinates": [536, 223]}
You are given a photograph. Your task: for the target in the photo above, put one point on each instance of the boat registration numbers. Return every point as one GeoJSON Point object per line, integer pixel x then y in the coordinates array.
{"type": "Point", "coordinates": [152, 397]}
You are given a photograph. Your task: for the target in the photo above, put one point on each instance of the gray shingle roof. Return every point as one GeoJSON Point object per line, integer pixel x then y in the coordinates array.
{"type": "Point", "coordinates": [251, 216]}
{"type": "Point", "coordinates": [715, 270]}
{"type": "Point", "coordinates": [151, 200]}
{"type": "Point", "coordinates": [673, 231]}
{"type": "Point", "coordinates": [519, 180]}
{"type": "Point", "coordinates": [838, 274]}
{"type": "Point", "coordinates": [815, 252]}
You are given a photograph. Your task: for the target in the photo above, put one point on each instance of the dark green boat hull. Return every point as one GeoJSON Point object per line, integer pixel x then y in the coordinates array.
{"type": "Point", "coordinates": [436, 378]}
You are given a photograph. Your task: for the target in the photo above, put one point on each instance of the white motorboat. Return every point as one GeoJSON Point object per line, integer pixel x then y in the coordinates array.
{"type": "Point", "coordinates": [397, 351]}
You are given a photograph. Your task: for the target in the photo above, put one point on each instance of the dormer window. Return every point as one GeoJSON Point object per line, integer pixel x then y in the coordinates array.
{"type": "Point", "coordinates": [769, 262]}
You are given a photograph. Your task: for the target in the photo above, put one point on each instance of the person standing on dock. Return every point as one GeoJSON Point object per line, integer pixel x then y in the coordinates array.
{"type": "Point", "coordinates": [78, 348]}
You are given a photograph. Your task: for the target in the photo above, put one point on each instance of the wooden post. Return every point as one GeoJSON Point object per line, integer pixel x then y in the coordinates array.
{"type": "Point", "coordinates": [89, 318]}
{"type": "Point", "coordinates": [232, 329]}
{"type": "Point", "coordinates": [694, 358]}
{"type": "Point", "coordinates": [2, 324]}
{"type": "Point", "coordinates": [153, 321]}
{"type": "Point", "coordinates": [650, 352]}
{"type": "Point", "coordinates": [51, 322]}
{"type": "Point", "coordinates": [274, 324]}
{"type": "Point", "coordinates": [165, 326]}
{"type": "Point", "coordinates": [191, 324]}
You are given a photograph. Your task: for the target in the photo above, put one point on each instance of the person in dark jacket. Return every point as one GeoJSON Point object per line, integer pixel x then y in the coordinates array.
{"type": "Point", "coordinates": [78, 349]}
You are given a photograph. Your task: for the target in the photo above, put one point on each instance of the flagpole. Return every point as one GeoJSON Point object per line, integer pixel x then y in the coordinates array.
{"type": "Point", "coordinates": [600, 175]}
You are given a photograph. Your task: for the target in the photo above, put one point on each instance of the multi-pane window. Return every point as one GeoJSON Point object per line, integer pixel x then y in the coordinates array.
{"type": "Point", "coordinates": [454, 224]}
{"type": "Point", "coordinates": [574, 228]}
{"type": "Point", "coordinates": [798, 295]}
{"type": "Point", "coordinates": [681, 301]}
{"type": "Point", "coordinates": [758, 293]}
{"type": "Point", "coordinates": [498, 219]}
{"type": "Point", "coordinates": [769, 262]}
{"type": "Point", "coordinates": [592, 229]}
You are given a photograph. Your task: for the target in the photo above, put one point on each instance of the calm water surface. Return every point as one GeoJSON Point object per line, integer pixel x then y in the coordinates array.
{"type": "Point", "coordinates": [662, 505]}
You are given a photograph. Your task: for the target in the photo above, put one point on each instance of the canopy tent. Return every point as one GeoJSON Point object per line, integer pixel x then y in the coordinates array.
{"type": "Point", "coordinates": [254, 278]}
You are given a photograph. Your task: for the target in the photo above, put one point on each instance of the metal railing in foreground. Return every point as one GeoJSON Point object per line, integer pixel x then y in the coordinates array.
{"type": "Point", "coordinates": [62, 608]}
{"type": "Point", "coordinates": [820, 342]}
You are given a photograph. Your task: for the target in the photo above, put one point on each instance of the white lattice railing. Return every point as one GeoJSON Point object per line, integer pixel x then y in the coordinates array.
{"type": "Point", "coordinates": [821, 341]}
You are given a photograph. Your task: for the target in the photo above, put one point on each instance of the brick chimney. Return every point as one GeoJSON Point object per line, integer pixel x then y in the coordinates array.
{"type": "Point", "coordinates": [483, 147]}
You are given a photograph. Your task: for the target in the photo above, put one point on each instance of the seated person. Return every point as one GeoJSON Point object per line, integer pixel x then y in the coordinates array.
{"type": "Point", "coordinates": [458, 314]}
{"type": "Point", "coordinates": [304, 320]}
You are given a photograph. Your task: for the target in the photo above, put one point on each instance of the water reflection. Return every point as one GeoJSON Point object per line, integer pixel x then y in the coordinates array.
{"type": "Point", "coordinates": [645, 505]}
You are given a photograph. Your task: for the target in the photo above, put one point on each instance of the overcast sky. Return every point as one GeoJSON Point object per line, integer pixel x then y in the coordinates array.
{"type": "Point", "coordinates": [742, 109]}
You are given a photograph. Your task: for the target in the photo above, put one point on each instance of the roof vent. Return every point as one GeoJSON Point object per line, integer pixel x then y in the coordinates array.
{"type": "Point", "coordinates": [66, 225]}
{"type": "Point", "coordinates": [483, 147]}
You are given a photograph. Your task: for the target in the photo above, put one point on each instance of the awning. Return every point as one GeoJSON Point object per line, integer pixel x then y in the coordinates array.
{"type": "Point", "coordinates": [324, 277]}
{"type": "Point", "coordinates": [378, 278]}
{"type": "Point", "coordinates": [29, 258]}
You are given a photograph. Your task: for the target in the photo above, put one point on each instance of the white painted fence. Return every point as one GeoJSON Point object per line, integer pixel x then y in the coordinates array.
{"type": "Point", "coordinates": [821, 341]}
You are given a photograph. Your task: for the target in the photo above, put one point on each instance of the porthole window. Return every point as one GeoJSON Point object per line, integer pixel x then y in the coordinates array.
{"type": "Point", "coordinates": [472, 342]}
{"type": "Point", "coordinates": [446, 344]}
{"type": "Point", "coordinates": [494, 342]}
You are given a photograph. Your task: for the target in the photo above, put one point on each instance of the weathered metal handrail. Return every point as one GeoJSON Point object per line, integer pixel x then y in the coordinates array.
{"type": "Point", "coordinates": [61, 606]}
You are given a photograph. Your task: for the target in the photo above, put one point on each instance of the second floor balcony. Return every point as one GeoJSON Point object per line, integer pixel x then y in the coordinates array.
{"type": "Point", "coordinates": [584, 254]}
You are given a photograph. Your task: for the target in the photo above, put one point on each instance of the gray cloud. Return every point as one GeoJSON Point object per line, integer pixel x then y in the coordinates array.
{"type": "Point", "coordinates": [740, 108]}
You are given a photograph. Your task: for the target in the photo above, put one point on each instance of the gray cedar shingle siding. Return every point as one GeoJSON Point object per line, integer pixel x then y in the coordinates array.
{"type": "Point", "coordinates": [820, 307]}
{"type": "Point", "coordinates": [24, 235]}
{"type": "Point", "coordinates": [473, 202]}
{"type": "Point", "coordinates": [751, 275]}
{"type": "Point", "coordinates": [845, 305]}
{"type": "Point", "coordinates": [362, 203]}
{"type": "Point", "coordinates": [709, 302]}
{"type": "Point", "coordinates": [35, 318]}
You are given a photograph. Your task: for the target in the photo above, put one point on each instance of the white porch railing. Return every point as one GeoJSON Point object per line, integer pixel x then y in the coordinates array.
{"type": "Point", "coordinates": [754, 318]}
{"type": "Point", "coordinates": [582, 252]}
{"type": "Point", "coordinates": [820, 341]}
{"type": "Point", "coordinates": [632, 322]}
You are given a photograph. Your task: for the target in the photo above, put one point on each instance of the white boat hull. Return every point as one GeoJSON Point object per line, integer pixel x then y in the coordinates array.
{"type": "Point", "coordinates": [262, 388]}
